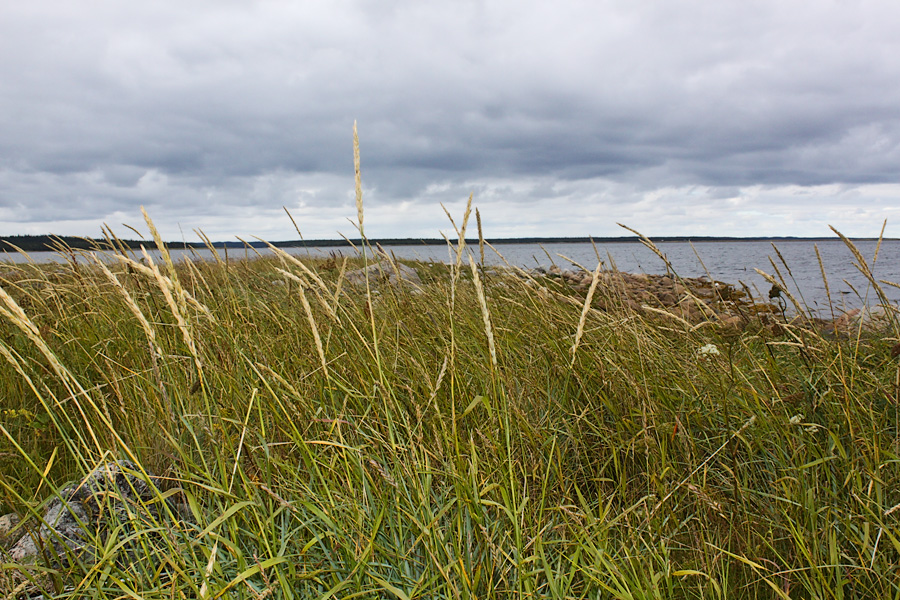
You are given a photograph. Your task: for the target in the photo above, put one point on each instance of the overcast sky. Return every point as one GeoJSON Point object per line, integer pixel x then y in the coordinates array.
{"type": "Point", "coordinates": [696, 117]}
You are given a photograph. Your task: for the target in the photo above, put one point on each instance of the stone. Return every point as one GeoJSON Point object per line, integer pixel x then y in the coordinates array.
{"type": "Point", "coordinates": [689, 312]}
{"type": "Point", "coordinates": [732, 323]}
{"type": "Point", "coordinates": [571, 276]}
{"type": "Point", "coordinates": [695, 299]}
{"type": "Point", "coordinates": [114, 493]}
{"type": "Point", "coordinates": [391, 273]}
{"type": "Point", "coordinates": [7, 524]}
{"type": "Point", "coordinates": [667, 298]}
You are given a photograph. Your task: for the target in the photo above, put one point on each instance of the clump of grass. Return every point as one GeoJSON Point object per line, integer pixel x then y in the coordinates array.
{"type": "Point", "coordinates": [463, 441]}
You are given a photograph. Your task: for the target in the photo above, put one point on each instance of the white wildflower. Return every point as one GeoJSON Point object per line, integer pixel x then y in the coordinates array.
{"type": "Point", "coordinates": [796, 419]}
{"type": "Point", "coordinates": [709, 350]}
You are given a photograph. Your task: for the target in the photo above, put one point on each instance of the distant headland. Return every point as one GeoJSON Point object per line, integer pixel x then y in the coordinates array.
{"type": "Point", "coordinates": [44, 243]}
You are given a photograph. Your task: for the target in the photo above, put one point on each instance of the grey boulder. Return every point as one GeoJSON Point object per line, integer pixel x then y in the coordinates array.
{"type": "Point", "coordinates": [113, 494]}
{"type": "Point", "coordinates": [391, 273]}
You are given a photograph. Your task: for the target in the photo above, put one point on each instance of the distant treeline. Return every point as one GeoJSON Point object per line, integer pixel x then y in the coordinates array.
{"type": "Point", "coordinates": [42, 243]}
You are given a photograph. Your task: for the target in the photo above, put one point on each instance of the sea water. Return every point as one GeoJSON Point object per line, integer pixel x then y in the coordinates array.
{"type": "Point", "coordinates": [735, 262]}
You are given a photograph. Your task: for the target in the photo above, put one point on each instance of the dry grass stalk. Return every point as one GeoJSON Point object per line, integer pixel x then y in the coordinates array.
{"type": "Point", "coordinates": [291, 217]}
{"type": "Point", "coordinates": [669, 315]}
{"type": "Point", "coordinates": [14, 313]}
{"type": "Point", "coordinates": [358, 178]}
{"type": "Point", "coordinates": [340, 281]}
{"type": "Point", "coordinates": [576, 263]}
{"type": "Point", "coordinates": [485, 314]}
{"type": "Point", "coordinates": [315, 330]}
{"type": "Point", "coordinates": [17, 317]}
{"type": "Point", "coordinates": [284, 256]}
{"type": "Point", "coordinates": [866, 270]}
{"type": "Point", "coordinates": [440, 380]}
{"type": "Point", "coordinates": [167, 258]}
{"type": "Point", "coordinates": [480, 237]}
{"type": "Point", "coordinates": [800, 309]}
{"type": "Point", "coordinates": [155, 351]}
{"type": "Point", "coordinates": [132, 306]}
{"type": "Point", "coordinates": [780, 284]}
{"type": "Point", "coordinates": [465, 224]}
{"type": "Point", "coordinates": [248, 246]}
{"type": "Point", "coordinates": [301, 283]}
{"type": "Point", "coordinates": [585, 309]}
{"type": "Point", "coordinates": [516, 269]}
{"type": "Point", "coordinates": [158, 277]}
{"type": "Point", "coordinates": [180, 321]}
{"type": "Point", "coordinates": [279, 378]}
{"type": "Point", "coordinates": [649, 244]}
{"type": "Point", "coordinates": [213, 554]}
{"type": "Point", "coordinates": [212, 248]}
{"type": "Point", "coordinates": [376, 466]}
{"type": "Point", "coordinates": [460, 231]}
{"type": "Point", "coordinates": [824, 279]}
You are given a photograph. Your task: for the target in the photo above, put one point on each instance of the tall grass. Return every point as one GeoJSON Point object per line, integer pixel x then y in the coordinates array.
{"type": "Point", "coordinates": [479, 438]}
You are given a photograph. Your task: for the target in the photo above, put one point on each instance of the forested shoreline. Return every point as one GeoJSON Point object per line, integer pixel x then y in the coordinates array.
{"type": "Point", "coordinates": [49, 243]}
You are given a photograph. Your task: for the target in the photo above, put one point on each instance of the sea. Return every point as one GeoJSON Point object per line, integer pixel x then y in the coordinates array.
{"type": "Point", "coordinates": [836, 283]}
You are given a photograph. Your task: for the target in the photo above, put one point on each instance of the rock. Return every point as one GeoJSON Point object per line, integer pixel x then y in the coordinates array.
{"type": "Point", "coordinates": [113, 494]}
{"type": "Point", "coordinates": [9, 275]}
{"type": "Point", "coordinates": [732, 323]}
{"type": "Point", "coordinates": [688, 311]}
{"type": "Point", "coordinates": [384, 272]}
{"type": "Point", "coordinates": [695, 299]}
{"type": "Point", "coordinates": [874, 318]}
{"type": "Point", "coordinates": [846, 321]}
{"type": "Point", "coordinates": [7, 524]}
{"type": "Point", "coordinates": [573, 277]}
{"type": "Point", "coordinates": [633, 305]}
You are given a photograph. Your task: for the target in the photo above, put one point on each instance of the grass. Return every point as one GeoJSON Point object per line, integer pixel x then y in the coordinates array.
{"type": "Point", "coordinates": [481, 437]}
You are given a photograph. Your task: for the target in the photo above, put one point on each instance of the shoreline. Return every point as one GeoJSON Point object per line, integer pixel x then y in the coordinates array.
{"type": "Point", "coordinates": [53, 243]}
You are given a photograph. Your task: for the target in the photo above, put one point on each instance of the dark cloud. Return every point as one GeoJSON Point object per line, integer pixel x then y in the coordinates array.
{"type": "Point", "coordinates": [222, 112]}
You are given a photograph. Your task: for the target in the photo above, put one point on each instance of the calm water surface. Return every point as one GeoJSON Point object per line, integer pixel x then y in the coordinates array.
{"type": "Point", "coordinates": [732, 262]}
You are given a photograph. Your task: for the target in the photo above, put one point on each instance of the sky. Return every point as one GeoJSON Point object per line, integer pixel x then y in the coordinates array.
{"type": "Point", "coordinates": [564, 118]}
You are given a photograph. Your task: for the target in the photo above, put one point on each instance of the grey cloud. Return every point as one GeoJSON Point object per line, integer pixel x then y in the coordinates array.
{"type": "Point", "coordinates": [248, 102]}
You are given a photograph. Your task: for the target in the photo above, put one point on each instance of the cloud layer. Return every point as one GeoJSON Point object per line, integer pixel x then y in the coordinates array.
{"type": "Point", "coordinates": [732, 118]}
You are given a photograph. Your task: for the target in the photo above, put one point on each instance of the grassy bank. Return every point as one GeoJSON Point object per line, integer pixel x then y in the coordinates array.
{"type": "Point", "coordinates": [482, 436]}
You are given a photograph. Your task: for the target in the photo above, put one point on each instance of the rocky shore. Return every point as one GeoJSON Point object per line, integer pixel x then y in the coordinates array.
{"type": "Point", "coordinates": [695, 300]}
